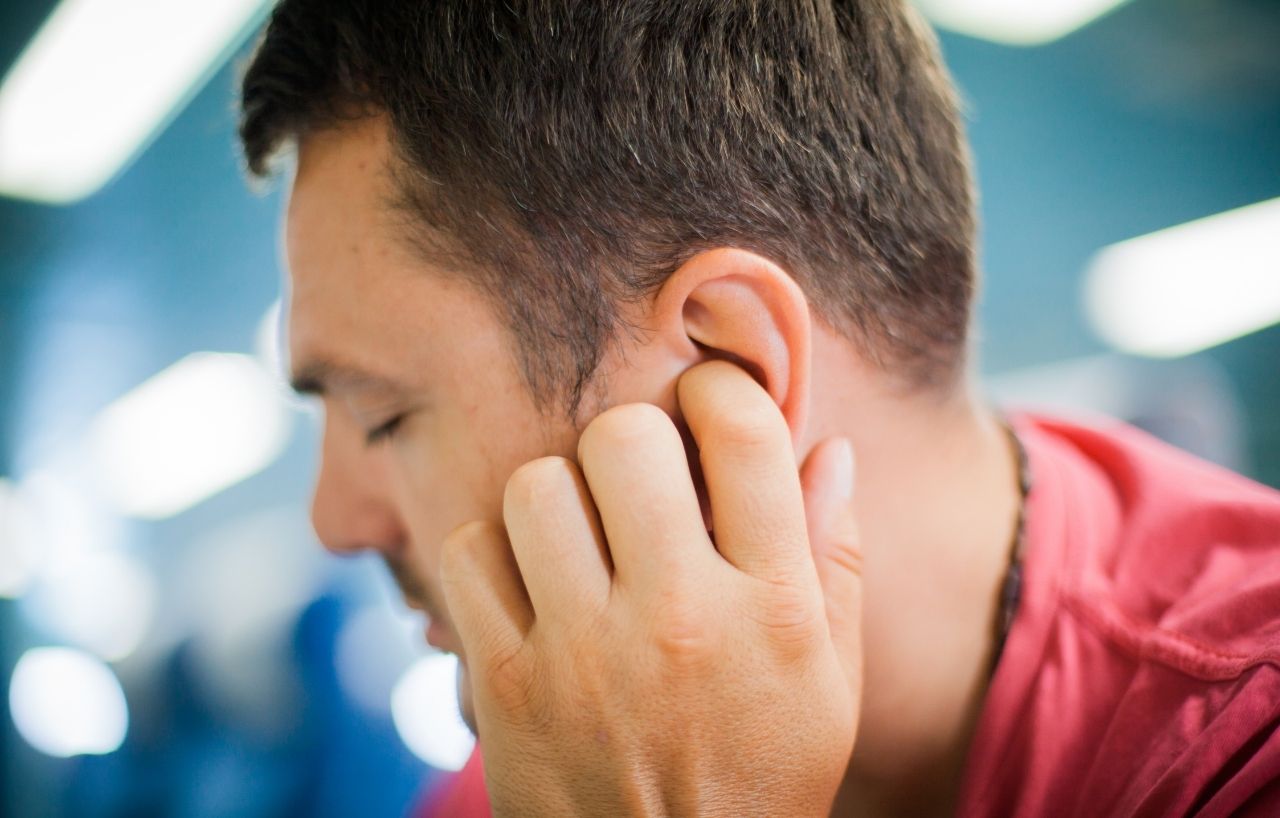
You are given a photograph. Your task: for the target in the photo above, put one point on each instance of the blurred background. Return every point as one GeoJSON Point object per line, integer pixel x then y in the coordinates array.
{"type": "Point", "coordinates": [173, 642]}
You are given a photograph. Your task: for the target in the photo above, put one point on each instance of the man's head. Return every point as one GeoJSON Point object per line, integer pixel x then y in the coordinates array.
{"type": "Point", "coordinates": [506, 216]}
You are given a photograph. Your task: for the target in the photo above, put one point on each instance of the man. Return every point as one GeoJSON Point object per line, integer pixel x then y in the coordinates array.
{"type": "Point", "coordinates": [602, 301]}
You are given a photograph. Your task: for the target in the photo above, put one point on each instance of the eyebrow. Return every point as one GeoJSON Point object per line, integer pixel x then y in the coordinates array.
{"type": "Point", "coordinates": [323, 377]}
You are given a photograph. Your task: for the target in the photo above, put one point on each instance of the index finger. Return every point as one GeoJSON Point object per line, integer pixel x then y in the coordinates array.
{"type": "Point", "coordinates": [634, 463]}
{"type": "Point", "coordinates": [753, 483]}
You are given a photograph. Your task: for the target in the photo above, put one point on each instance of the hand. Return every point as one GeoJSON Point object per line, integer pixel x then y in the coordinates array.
{"type": "Point", "coordinates": [624, 664]}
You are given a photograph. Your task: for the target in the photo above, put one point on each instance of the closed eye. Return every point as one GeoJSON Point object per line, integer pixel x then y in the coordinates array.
{"type": "Point", "coordinates": [384, 432]}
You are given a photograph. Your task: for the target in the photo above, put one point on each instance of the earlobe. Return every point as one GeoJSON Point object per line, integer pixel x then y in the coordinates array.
{"type": "Point", "coordinates": [738, 306]}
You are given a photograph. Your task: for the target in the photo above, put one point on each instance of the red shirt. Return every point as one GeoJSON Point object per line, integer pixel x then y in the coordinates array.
{"type": "Point", "coordinates": [1141, 676]}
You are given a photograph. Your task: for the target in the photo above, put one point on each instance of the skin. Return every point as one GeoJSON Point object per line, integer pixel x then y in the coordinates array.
{"type": "Point", "coordinates": [598, 631]}
{"type": "Point", "coordinates": [896, 621]}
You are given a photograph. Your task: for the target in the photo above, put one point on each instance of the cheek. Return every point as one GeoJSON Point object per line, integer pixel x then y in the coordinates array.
{"type": "Point", "coordinates": [449, 474]}
{"type": "Point", "coordinates": [453, 466]}
{"type": "Point", "coordinates": [438, 491]}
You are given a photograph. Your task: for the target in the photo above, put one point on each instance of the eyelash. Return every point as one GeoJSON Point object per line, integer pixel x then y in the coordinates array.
{"type": "Point", "coordinates": [384, 432]}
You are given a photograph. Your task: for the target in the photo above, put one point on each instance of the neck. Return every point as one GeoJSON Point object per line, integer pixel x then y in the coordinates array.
{"type": "Point", "coordinates": [937, 501]}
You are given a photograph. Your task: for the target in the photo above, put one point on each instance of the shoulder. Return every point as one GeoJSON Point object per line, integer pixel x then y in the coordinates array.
{"type": "Point", "coordinates": [458, 795]}
{"type": "Point", "coordinates": [1148, 473]}
{"type": "Point", "coordinates": [1142, 674]}
{"type": "Point", "coordinates": [1180, 551]}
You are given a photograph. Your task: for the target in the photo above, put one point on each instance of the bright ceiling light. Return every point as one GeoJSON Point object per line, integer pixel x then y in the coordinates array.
{"type": "Point", "coordinates": [1015, 22]}
{"type": "Point", "coordinates": [64, 702]}
{"type": "Point", "coordinates": [103, 600]}
{"type": "Point", "coordinates": [375, 647]}
{"type": "Point", "coordinates": [205, 423]}
{"type": "Point", "coordinates": [19, 549]}
{"type": "Point", "coordinates": [1189, 287]}
{"type": "Point", "coordinates": [99, 79]}
{"type": "Point", "coordinates": [424, 708]}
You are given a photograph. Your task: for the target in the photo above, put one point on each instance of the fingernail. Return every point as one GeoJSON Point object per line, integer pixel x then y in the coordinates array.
{"type": "Point", "coordinates": [844, 478]}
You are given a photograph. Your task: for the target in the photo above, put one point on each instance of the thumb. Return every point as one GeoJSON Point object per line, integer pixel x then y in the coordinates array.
{"type": "Point", "coordinates": [827, 480]}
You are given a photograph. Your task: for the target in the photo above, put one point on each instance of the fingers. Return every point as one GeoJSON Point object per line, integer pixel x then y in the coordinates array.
{"type": "Point", "coordinates": [827, 478]}
{"type": "Point", "coordinates": [483, 591]}
{"type": "Point", "coordinates": [556, 537]}
{"type": "Point", "coordinates": [634, 462]}
{"type": "Point", "coordinates": [746, 454]}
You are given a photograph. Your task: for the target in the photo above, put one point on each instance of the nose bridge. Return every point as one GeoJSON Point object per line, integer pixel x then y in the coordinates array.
{"type": "Point", "coordinates": [351, 508]}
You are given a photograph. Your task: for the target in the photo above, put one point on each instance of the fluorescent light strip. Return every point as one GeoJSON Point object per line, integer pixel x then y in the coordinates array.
{"type": "Point", "coordinates": [1015, 22]}
{"type": "Point", "coordinates": [205, 423]}
{"type": "Point", "coordinates": [1190, 287]}
{"type": "Point", "coordinates": [99, 79]}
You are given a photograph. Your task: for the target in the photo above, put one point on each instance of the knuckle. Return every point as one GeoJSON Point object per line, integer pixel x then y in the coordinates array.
{"type": "Point", "coordinates": [684, 636]}
{"type": "Point", "coordinates": [509, 682]}
{"type": "Point", "coordinates": [792, 622]}
{"type": "Point", "coordinates": [684, 645]}
{"type": "Point", "coordinates": [591, 672]}
{"type": "Point", "coordinates": [846, 555]}
{"type": "Point", "coordinates": [749, 429]}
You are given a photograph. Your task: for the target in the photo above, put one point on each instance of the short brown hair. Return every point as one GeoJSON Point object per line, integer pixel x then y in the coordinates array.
{"type": "Point", "coordinates": [576, 153]}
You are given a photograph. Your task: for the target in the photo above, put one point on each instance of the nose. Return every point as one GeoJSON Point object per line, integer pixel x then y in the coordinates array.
{"type": "Point", "coordinates": [351, 509]}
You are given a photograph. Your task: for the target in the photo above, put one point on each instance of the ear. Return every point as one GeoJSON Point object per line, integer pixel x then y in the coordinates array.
{"type": "Point", "coordinates": [735, 305]}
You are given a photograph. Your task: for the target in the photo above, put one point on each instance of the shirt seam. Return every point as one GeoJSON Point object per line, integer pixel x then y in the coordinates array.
{"type": "Point", "coordinates": [1171, 649]}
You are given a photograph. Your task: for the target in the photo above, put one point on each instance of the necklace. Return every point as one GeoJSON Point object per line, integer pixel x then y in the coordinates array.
{"type": "Point", "coordinates": [1011, 587]}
